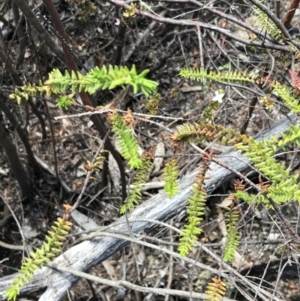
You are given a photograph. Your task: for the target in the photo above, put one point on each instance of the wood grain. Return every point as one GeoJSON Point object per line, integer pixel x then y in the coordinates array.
{"type": "Point", "coordinates": [88, 254]}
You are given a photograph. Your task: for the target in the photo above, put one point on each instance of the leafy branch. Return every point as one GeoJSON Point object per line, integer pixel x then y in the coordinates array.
{"type": "Point", "coordinates": [170, 173]}
{"type": "Point", "coordinates": [98, 78]}
{"type": "Point", "coordinates": [126, 142]}
{"type": "Point", "coordinates": [195, 210]}
{"type": "Point", "coordinates": [49, 249]}
{"type": "Point", "coordinates": [140, 178]}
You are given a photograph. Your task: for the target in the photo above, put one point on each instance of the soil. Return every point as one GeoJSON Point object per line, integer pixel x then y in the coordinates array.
{"type": "Point", "coordinates": [103, 35]}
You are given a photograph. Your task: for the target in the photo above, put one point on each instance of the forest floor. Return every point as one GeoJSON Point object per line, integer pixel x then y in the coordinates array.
{"type": "Point", "coordinates": [100, 39]}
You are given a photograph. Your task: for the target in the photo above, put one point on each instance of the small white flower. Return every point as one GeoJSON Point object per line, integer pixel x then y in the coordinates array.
{"type": "Point", "coordinates": [219, 96]}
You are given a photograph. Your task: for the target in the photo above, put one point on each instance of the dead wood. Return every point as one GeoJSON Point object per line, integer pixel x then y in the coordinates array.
{"type": "Point", "coordinates": [89, 253]}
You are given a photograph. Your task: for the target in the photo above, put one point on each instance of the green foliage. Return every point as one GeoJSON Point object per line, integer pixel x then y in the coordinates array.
{"type": "Point", "coordinates": [281, 187]}
{"type": "Point", "coordinates": [140, 178]}
{"type": "Point", "coordinates": [259, 153]}
{"type": "Point", "coordinates": [86, 11]}
{"type": "Point", "coordinates": [152, 102]}
{"type": "Point", "coordinates": [226, 76]}
{"type": "Point", "coordinates": [127, 143]}
{"type": "Point", "coordinates": [243, 77]}
{"type": "Point", "coordinates": [280, 193]}
{"type": "Point", "coordinates": [286, 95]}
{"type": "Point", "coordinates": [205, 131]}
{"type": "Point", "coordinates": [195, 211]}
{"type": "Point", "coordinates": [170, 175]}
{"type": "Point", "coordinates": [49, 249]}
{"type": "Point", "coordinates": [64, 102]}
{"type": "Point", "coordinates": [295, 50]}
{"type": "Point", "coordinates": [98, 78]}
{"type": "Point", "coordinates": [129, 149]}
{"type": "Point", "coordinates": [285, 187]}
{"type": "Point", "coordinates": [253, 199]}
{"type": "Point", "coordinates": [115, 77]}
{"type": "Point", "coordinates": [285, 191]}
{"type": "Point", "coordinates": [289, 138]}
{"type": "Point", "coordinates": [210, 109]}
{"type": "Point", "coordinates": [232, 237]}
{"type": "Point", "coordinates": [268, 24]}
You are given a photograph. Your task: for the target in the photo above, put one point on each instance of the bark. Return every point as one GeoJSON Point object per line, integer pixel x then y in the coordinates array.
{"type": "Point", "coordinates": [42, 32]}
{"type": "Point", "coordinates": [286, 21]}
{"type": "Point", "coordinates": [86, 99]}
{"type": "Point", "coordinates": [89, 253]}
{"type": "Point", "coordinates": [15, 164]}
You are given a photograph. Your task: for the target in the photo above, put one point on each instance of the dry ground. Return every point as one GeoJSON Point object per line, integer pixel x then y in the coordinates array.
{"type": "Point", "coordinates": [167, 48]}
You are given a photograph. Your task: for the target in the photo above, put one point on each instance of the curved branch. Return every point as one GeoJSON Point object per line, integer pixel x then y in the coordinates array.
{"type": "Point", "coordinates": [42, 32]}
{"type": "Point", "coordinates": [89, 253]}
{"type": "Point", "coordinates": [286, 21]}
{"type": "Point", "coordinates": [97, 120]}
{"type": "Point", "coordinates": [225, 32]}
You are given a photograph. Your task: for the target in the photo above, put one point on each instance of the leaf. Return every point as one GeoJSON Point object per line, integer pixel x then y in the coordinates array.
{"type": "Point", "coordinates": [170, 174]}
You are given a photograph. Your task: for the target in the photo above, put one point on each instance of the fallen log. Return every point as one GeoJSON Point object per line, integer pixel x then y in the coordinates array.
{"type": "Point", "coordinates": [85, 255]}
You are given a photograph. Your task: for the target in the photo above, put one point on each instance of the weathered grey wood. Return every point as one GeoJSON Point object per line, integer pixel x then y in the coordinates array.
{"type": "Point", "coordinates": [87, 254]}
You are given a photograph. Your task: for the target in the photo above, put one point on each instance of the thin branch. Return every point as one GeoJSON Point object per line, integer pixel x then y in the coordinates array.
{"type": "Point", "coordinates": [88, 175]}
{"type": "Point", "coordinates": [129, 285]}
{"type": "Point", "coordinates": [287, 19]}
{"type": "Point", "coordinates": [219, 260]}
{"type": "Point", "coordinates": [17, 222]}
{"type": "Point", "coordinates": [97, 120]}
{"type": "Point", "coordinates": [11, 247]}
{"type": "Point", "coordinates": [42, 32]}
{"type": "Point", "coordinates": [95, 112]}
{"type": "Point", "coordinates": [89, 253]}
{"type": "Point", "coordinates": [142, 37]}
{"type": "Point", "coordinates": [225, 32]}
